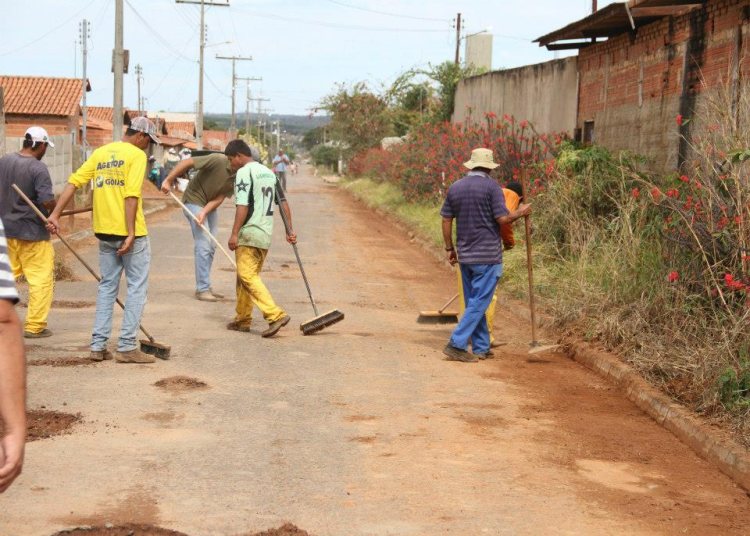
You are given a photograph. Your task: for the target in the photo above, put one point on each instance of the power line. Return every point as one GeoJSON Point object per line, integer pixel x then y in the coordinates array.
{"type": "Point", "coordinates": [49, 32]}
{"type": "Point", "coordinates": [156, 35]}
{"type": "Point", "coordinates": [385, 13]}
{"type": "Point", "coordinates": [335, 25]}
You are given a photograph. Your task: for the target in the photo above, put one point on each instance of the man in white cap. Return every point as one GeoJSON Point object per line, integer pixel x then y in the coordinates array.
{"type": "Point", "coordinates": [477, 204]}
{"type": "Point", "coordinates": [118, 170]}
{"type": "Point", "coordinates": [29, 247]}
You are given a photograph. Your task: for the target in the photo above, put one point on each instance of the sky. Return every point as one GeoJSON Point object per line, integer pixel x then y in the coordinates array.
{"type": "Point", "coordinates": [301, 48]}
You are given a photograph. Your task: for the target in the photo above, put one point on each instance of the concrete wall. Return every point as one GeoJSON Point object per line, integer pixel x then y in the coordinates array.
{"type": "Point", "coordinates": [59, 161]}
{"type": "Point", "coordinates": [544, 94]}
{"type": "Point", "coordinates": [632, 87]}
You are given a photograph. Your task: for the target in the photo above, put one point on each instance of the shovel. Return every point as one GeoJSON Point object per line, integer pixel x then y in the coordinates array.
{"type": "Point", "coordinates": [147, 347]}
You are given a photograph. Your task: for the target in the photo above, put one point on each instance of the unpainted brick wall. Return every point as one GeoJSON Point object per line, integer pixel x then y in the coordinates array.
{"type": "Point", "coordinates": [633, 86]}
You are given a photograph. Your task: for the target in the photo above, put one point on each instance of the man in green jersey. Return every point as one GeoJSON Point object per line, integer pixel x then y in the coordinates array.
{"type": "Point", "coordinates": [256, 190]}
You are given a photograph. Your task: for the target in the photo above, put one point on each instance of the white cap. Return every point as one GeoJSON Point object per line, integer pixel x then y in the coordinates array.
{"type": "Point", "coordinates": [38, 134]}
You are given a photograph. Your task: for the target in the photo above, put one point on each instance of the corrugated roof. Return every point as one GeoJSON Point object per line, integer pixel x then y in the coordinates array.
{"type": "Point", "coordinates": [616, 19]}
{"type": "Point", "coordinates": [36, 95]}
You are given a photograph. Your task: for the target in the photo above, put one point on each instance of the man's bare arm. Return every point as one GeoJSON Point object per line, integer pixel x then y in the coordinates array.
{"type": "Point", "coordinates": [240, 215]}
{"type": "Point", "coordinates": [12, 395]}
{"type": "Point", "coordinates": [179, 170]}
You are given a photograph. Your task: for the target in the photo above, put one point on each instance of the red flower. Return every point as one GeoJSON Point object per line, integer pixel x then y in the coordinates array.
{"type": "Point", "coordinates": [636, 193]}
{"type": "Point", "coordinates": [523, 124]}
{"type": "Point", "coordinates": [656, 194]}
{"type": "Point", "coordinates": [673, 277]}
{"type": "Point", "coordinates": [684, 178]}
{"type": "Point", "coordinates": [678, 120]}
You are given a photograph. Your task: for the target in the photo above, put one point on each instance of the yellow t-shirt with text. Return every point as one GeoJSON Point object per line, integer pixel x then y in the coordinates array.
{"type": "Point", "coordinates": [118, 170]}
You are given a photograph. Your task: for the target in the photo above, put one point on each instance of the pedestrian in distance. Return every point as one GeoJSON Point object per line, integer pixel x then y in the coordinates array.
{"type": "Point", "coordinates": [117, 170]}
{"type": "Point", "coordinates": [477, 203]}
{"type": "Point", "coordinates": [12, 375]}
{"type": "Point", "coordinates": [213, 183]}
{"type": "Point", "coordinates": [256, 190]}
{"type": "Point", "coordinates": [513, 195]}
{"type": "Point", "coordinates": [29, 246]}
{"type": "Point", "coordinates": [280, 164]}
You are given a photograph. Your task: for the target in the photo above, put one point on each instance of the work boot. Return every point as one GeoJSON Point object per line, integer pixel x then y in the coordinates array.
{"type": "Point", "coordinates": [244, 327]}
{"type": "Point", "coordinates": [37, 335]}
{"type": "Point", "coordinates": [274, 327]}
{"type": "Point", "coordinates": [456, 354]}
{"type": "Point", "coordinates": [134, 356]}
{"type": "Point", "coordinates": [216, 294]}
{"type": "Point", "coordinates": [489, 354]}
{"type": "Point", "coordinates": [100, 355]}
{"type": "Point", "coordinates": [205, 296]}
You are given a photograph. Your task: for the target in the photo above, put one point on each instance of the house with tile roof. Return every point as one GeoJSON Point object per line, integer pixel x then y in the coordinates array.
{"type": "Point", "coordinates": [52, 103]}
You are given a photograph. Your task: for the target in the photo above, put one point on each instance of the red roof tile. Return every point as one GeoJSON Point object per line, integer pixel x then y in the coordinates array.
{"type": "Point", "coordinates": [181, 129]}
{"type": "Point", "coordinates": [41, 96]}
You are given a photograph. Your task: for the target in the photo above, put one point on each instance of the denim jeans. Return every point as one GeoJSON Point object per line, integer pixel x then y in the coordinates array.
{"type": "Point", "coordinates": [479, 282]}
{"type": "Point", "coordinates": [204, 248]}
{"type": "Point", "coordinates": [135, 264]}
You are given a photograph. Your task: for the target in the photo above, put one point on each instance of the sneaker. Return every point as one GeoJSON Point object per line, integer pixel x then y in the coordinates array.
{"type": "Point", "coordinates": [100, 355]}
{"type": "Point", "coordinates": [37, 335]}
{"type": "Point", "coordinates": [274, 327]}
{"type": "Point", "coordinates": [216, 294]}
{"type": "Point", "coordinates": [239, 326]}
{"type": "Point", "coordinates": [134, 356]}
{"type": "Point", "coordinates": [206, 296]}
{"type": "Point", "coordinates": [495, 344]}
{"type": "Point", "coordinates": [489, 354]}
{"type": "Point", "coordinates": [456, 354]}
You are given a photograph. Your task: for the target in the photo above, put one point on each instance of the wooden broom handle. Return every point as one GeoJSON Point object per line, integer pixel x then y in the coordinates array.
{"type": "Point", "coordinates": [529, 265]}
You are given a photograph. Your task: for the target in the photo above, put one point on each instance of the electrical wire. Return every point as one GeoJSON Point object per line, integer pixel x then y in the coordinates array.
{"type": "Point", "coordinates": [385, 13]}
{"type": "Point", "coordinates": [335, 25]}
{"type": "Point", "coordinates": [11, 51]}
{"type": "Point", "coordinates": [156, 35]}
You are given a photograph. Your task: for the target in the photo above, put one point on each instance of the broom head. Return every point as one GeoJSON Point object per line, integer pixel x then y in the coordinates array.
{"type": "Point", "coordinates": [437, 317]}
{"type": "Point", "coordinates": [321, 322]}
{"type": "Point", "coordinates": [161, 351]}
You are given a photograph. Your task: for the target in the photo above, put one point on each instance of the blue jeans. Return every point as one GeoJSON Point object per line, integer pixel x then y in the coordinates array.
{"type": "Point", "coordinates": [204, 248]}
{"type": "Point", "coordinates": [135, 264]}
{"type": "Point", "coordinates": [479, 281]}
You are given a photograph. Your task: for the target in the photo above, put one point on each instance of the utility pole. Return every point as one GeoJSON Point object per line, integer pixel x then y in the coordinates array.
{"type": "Point", "coordinates": [247, 101]}
{"type": "Point", "coordinates": [84, 34]}
{"type": "Point", "coordinates": [118, 67]}
{"type": "Point", "coordinates": [278, 134]}
{"type": "Point", "coordinates": [233, 125]}
{"type": "Point", "coordinates": [260, 101]}
{"type": "Point", "coordinates": [458, 37]}
{"type": "Point", "coordinates": [138, 78]}
{"type": "Point", "coordinates": [594, 7]}
{"type": "Point", "coordinates": [199, 120]}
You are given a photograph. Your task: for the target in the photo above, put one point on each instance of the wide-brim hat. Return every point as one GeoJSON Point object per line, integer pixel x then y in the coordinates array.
{"type": "Point", "coordinates": [481, 158]}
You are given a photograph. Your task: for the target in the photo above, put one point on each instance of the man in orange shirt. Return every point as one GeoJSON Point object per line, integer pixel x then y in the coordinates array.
{"type": "Point", "coordinates": [513, 193]}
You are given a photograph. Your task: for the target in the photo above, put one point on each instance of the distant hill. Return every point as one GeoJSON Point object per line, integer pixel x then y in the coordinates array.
{"type": "Point", "coordinates": [294, 124]}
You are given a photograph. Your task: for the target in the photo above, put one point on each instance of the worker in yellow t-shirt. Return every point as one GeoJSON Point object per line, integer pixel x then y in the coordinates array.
{"type": "Point", "coordinates": [513, 193]}
{"type": "Point", "coordinates": [117, 171]}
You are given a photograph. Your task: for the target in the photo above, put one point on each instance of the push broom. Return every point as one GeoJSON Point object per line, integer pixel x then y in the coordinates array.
{"type": "Point", "coordinates": [320, 321]}
{"type": "Point", "coordinates": [441, 316]}
{"type": "Point", "coordinates": [150, 346]}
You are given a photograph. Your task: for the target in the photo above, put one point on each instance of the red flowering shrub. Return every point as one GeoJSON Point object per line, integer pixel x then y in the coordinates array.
{"type": "Point", "coordinates": [432, 157]}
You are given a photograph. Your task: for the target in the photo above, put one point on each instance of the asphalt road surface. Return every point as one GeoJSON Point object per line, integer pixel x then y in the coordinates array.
{"type": "Point", "coordinates": [362, 429]}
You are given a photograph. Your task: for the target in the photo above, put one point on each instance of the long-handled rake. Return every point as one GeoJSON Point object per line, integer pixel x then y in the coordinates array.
{"type": "Point", "coordinates": [150, 346]}
{"type": "Point", "coordinates": [320, 321]}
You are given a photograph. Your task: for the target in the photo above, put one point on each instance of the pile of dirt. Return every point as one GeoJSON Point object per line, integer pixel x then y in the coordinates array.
{"type": "Point", "coordinates": [120, 530]}
{"type": "Point", "coordinates": [287, 529]}
{"type": "Point", "coordinates": [63, 272]}
{"type": "Point", "coordinates": [61, 362]}
{"type": "Point", "coordinates": [43, 423]}
{"type": "Point", "coordinates": [181, 383]}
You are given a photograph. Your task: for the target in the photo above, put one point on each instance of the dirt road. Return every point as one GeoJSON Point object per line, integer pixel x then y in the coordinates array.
{"type": "Point", "coordinates": [361, 429]}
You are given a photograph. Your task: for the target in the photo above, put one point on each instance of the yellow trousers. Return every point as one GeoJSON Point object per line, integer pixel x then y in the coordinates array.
{"type": "Point", "coordinates": [35, 260]}
{"type": "Point", "coordinates": [250, 289]}
{"type": "Point", "coordinates": [489, 314]}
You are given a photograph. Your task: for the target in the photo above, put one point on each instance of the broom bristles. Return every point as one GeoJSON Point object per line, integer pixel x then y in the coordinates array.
{"type": "Point", "coordinates": [322, 321]}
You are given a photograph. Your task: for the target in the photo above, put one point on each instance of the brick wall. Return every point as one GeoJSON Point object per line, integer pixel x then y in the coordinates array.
{"type": "Point", "coordinates": [633, 86]}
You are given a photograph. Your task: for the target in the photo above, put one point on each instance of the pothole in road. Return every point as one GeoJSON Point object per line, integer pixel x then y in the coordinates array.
{"type": "Point", "coordinates": [43, 423]}
{"type": "Point", "coordinates": [286, 529]}
{"type": "Point", "coordinates": [62, 362]}
{"type": "Point", "coordinates": [181, 383]}
{"type": "Point", "coordinates": [119, 530]}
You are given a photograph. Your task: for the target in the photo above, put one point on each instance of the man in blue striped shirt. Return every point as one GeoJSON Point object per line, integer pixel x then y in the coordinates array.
{"type": "Point", "coordinates": [477, 204]}
{"type": "Point", "coordinates": [12, 375]}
